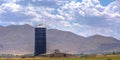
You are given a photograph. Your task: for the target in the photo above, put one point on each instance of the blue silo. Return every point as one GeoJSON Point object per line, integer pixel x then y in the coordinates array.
{"type": "Point", "coordinates": [40, 40]}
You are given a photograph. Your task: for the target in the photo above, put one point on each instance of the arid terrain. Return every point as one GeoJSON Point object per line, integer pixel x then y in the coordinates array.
{"type": "Point", "coordinates": [101, 57]}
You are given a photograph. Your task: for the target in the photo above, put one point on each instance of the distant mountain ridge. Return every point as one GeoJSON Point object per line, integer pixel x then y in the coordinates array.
{"type": "Point", "coordinates": [19, 39]}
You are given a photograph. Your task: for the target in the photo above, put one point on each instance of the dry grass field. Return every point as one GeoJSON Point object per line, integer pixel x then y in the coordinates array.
{"type": "Point", "coordinates": [108, 57]}
{"type": "Point", "coordinates": [93, 58]}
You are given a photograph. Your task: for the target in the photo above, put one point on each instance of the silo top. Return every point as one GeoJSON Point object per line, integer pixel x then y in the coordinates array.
{"type": "Point", "coordinates": [41, 26]}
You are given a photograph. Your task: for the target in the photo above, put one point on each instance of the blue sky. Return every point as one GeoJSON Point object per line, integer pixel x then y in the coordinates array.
{"type": "Point", "coordinates": [105, 2]}
{"type": "Point", "coordinates": [82, 17]}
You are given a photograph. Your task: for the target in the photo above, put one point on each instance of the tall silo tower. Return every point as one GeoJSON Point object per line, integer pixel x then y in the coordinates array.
{"type": "Point", "coordinates": [40, 40]}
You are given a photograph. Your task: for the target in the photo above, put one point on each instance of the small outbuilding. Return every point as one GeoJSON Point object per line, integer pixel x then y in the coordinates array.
{"type": "Point", "coordinates": [57, 53]}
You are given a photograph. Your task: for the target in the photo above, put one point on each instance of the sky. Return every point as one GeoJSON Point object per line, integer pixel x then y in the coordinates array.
{"type": "Point", "coordinates": [82, 17]}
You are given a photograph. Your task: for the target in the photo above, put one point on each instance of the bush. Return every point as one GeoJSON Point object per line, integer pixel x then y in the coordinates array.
{"type": "Point", "coordinates": [108, 59]}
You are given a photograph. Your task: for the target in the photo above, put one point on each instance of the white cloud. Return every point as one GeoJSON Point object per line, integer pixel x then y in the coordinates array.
{"type": "Point", "coordinates": [13, 1]}
{"type": "Point", "coordinates": [88, 16]}
{"type": "Point", "coordinates": [13, 23]}
{"type": "Point", "coordinates": [65, 23]}
{"type": "Point", "coordinates": [81, 13]}
{"type": "Point", "coordinates": [77, 25]}
{"type": "Point", "coordinates": [13, 7]}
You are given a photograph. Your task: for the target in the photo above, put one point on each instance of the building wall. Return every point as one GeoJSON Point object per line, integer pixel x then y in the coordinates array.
{"type": "Point", "coordinates": [40, 41]}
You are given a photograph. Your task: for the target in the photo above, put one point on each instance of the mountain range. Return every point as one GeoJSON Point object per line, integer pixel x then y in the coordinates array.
{"type": "Point", "coordinates": [19, 39]}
